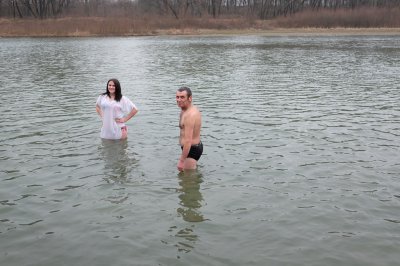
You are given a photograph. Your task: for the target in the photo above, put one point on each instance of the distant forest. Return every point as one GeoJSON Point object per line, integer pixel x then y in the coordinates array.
{"type": "Point", "coordinates": [179, 9]}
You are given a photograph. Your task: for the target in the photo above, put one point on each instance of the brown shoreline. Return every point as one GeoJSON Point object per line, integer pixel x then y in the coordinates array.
{"type": "Point", "coordinates": [123, 27]}
{"type": "Point", "coordinates": [213, 32]}
{"type": "Point", "coordinates": [286, 32]}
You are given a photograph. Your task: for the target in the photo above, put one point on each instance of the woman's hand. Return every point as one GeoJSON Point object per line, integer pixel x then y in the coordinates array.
{"type": "Point", "coordinates": [120, 120]}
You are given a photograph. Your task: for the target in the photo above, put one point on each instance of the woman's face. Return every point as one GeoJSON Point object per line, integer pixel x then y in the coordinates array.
{"type": "Point", "coordinates": [111, 87]}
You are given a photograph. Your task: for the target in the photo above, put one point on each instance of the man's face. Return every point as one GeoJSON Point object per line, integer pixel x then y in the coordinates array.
{"type": "Point", "coordinates": [182, 100]}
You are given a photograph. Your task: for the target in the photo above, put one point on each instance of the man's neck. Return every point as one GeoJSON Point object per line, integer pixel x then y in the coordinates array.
{"type": "Point", "coordinates": [186, 108]}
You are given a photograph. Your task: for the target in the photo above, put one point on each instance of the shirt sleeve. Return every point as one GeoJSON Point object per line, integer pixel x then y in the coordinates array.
{"type": "Point", "coordinates": [127, 105]}
{"type": "Point", "coordinates": [98, 100]}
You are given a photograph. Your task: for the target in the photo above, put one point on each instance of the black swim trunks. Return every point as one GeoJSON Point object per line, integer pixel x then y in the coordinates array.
{"type": "Point", "coordinates": [195, 151]}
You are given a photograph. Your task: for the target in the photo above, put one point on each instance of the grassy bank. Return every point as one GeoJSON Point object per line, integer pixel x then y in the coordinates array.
{"type": "Point", "coordinates": [344, 18]}
{"type": "Point", "coordinates": [106, 26]}
{"type": "Point", "coordinates": [362, 21]}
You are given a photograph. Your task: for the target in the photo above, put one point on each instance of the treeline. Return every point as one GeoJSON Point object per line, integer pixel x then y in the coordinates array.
{"type": "Point", "coordinates": [255, 9]}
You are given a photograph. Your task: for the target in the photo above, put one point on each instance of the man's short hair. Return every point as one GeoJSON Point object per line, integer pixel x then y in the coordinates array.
{"type": "Point", "coordinates": [188, 91]}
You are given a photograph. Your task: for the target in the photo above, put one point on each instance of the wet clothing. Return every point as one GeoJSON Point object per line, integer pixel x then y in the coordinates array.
{"type": "Point", "coordinates": [112, 110]}
{"type": "Point", "coordinates": [195, 151]}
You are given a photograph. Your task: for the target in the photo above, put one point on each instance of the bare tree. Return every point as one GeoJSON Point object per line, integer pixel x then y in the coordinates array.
{"type": "Point", "coordinates": [263, 9]}
{"type": "Point", "coordinates": [38, 8]}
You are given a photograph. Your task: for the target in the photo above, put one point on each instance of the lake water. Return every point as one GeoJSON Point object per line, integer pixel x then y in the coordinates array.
{"type": "Point", "coordinates": [301, 160]}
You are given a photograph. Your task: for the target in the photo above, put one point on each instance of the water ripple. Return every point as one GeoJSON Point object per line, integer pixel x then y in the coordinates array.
{"type": "Point", "coordinates": [301, 143]}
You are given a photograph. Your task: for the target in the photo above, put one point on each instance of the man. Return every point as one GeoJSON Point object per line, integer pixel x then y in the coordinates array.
{"type": "Point", "coordinates": [190, 125]}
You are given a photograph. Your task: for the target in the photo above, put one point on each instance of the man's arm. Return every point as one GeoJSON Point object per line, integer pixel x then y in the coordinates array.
{"type": "Point", "coordinates": [188, 124]}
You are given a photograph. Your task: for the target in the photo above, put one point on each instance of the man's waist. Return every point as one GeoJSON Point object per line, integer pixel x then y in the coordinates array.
{"type": "Point", "coordinates": [194, 145]}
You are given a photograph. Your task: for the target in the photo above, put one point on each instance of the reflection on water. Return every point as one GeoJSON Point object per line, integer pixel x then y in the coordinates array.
{"type": "Point", "coordinates": [117, 163]}
{"type": "Point", "coordinates": [190, 197]}
{"type": "Point", "coordinates": [190, 203]}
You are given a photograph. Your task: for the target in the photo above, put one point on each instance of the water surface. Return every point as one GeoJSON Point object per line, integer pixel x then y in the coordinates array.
{"type": "Point", "coordinates": [300, 164]}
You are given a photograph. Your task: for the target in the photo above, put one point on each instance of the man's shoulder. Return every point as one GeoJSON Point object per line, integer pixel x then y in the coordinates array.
{"type": "Point", "coordinates": [194, 109]}
{"type": "Point", "coordinates": [196, 112]}
{"type": "Point", "coordinates": [192, 112]}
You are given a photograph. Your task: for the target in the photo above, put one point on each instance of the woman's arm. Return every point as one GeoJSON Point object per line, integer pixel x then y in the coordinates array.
{"type": "Point", "coordinates": [126, 118]}
{"type": "Point", "coordinates": [127, 105]}
{"type": "Point", "coordinates": [98, 110]}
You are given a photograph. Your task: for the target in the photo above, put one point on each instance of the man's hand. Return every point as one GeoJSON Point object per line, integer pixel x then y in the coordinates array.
{"type": "Point", "coordinates": [180, 165]}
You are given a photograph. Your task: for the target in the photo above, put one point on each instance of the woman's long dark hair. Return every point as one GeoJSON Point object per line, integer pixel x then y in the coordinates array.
{"type": "Point", "coordinates": [118, 94]}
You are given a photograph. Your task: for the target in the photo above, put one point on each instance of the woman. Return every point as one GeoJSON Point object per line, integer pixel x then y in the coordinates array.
{"type": "Point", "coordinates": [115, 110]}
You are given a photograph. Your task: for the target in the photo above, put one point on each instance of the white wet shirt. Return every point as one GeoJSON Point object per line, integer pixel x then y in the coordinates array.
{"type": "Point", "coordinates": [112, 110]}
